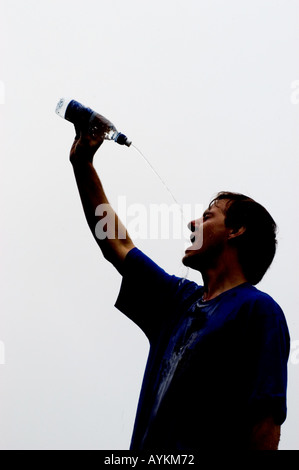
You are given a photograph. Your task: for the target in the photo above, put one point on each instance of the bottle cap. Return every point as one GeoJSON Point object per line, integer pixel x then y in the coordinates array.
{"type": "Point", "coordinates": [123, 140]}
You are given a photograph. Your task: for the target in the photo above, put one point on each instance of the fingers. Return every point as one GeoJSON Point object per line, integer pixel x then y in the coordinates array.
{"type": "Point", "coordinates": [87, 140]}
{"type": "Point", "coordinates": [88, 136]}
{"type": "Point", "coordinates": [78, 132]}
{"type": "Point", "coordinates": [81, 131]}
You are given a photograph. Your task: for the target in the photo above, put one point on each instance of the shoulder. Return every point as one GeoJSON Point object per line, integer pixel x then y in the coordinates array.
{"type": "Point", "coordinates": [263, 310]}
{"type": "Point", "coordinates": [256, 299]}
{"type": "Point", "coordinates": [140, 265]}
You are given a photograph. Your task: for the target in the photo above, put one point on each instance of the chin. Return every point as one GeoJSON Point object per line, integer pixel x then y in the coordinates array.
{"type": "Point", "coordinates": [189, 258]}
{"type": "Point", "coordinates": [195, 257]}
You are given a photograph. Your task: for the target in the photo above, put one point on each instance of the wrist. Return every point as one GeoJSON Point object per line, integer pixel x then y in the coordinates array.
{"type": "Point", "coordinates": [81, 160]}
{"type": "Point", "coordinates": [81, 154]}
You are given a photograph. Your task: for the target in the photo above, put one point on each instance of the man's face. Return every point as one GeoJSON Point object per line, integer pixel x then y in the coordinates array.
{"type": "Point", "coordinates": [209, 237]}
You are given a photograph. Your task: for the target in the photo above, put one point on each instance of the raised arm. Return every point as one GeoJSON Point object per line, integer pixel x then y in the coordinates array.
{"type": "Point", "coordinates": [113, 239]}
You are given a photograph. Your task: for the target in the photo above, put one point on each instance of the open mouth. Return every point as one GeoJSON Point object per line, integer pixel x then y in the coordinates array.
{"type": "Point", "coordinates": [192, 238]}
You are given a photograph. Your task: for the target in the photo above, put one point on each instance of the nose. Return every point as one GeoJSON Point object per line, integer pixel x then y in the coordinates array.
{"type": "Point", "coordinates": [195, 225]}
{"type": "Point", "coordinates": [191, 226]}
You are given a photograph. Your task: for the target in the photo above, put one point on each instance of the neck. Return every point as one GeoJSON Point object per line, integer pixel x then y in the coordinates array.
{"type": "Point", "coordinates": [221, 278]}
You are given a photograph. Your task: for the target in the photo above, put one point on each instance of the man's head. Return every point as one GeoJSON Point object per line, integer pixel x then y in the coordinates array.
{"type": "Point", "coordinates": [233, 223]}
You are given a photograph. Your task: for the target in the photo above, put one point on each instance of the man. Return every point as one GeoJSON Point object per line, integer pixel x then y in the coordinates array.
{"type": "Point", "coordinates": [216, 374]}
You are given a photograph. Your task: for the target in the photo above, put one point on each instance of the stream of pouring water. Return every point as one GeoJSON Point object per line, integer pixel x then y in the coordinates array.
{"type": "Point", "coordinates": [161, 180]}
{"type": "Point", "coordinates": [185, 275]}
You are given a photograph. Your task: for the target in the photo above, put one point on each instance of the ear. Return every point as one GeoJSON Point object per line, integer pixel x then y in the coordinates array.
{"type": "Point", "coordinates": [236, 232]}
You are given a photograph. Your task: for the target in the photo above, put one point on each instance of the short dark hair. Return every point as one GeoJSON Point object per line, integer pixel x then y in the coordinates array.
{"type": "Point", "coordinates": [257, 245]}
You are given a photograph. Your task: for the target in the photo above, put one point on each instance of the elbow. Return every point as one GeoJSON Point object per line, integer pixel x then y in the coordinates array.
{"type": "Point", "coordinates": [108, 254]}
{"type": "Point", "coordinates": [116, 254]}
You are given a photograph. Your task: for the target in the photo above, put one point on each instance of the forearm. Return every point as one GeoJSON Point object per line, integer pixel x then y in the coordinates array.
{"type": "Point", "coordinates": [108, 231]}
{"type": "Point", "coordinates": [265, 435]}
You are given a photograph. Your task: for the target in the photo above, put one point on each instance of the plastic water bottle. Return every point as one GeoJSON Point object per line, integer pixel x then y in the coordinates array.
{"type": "Point", "coordinates": [82, 116]}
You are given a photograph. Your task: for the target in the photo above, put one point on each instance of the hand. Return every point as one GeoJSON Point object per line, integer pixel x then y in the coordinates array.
{"type": "Point", "coordinates": [89, 139]}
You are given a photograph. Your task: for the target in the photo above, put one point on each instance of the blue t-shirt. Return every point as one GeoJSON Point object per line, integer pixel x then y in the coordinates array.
{"type": "Point", "coordinates": [214, 369]}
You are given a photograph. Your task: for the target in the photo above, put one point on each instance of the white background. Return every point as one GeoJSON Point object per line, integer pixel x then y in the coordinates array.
{"type": "Point", "coordinates": [204, 89]}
